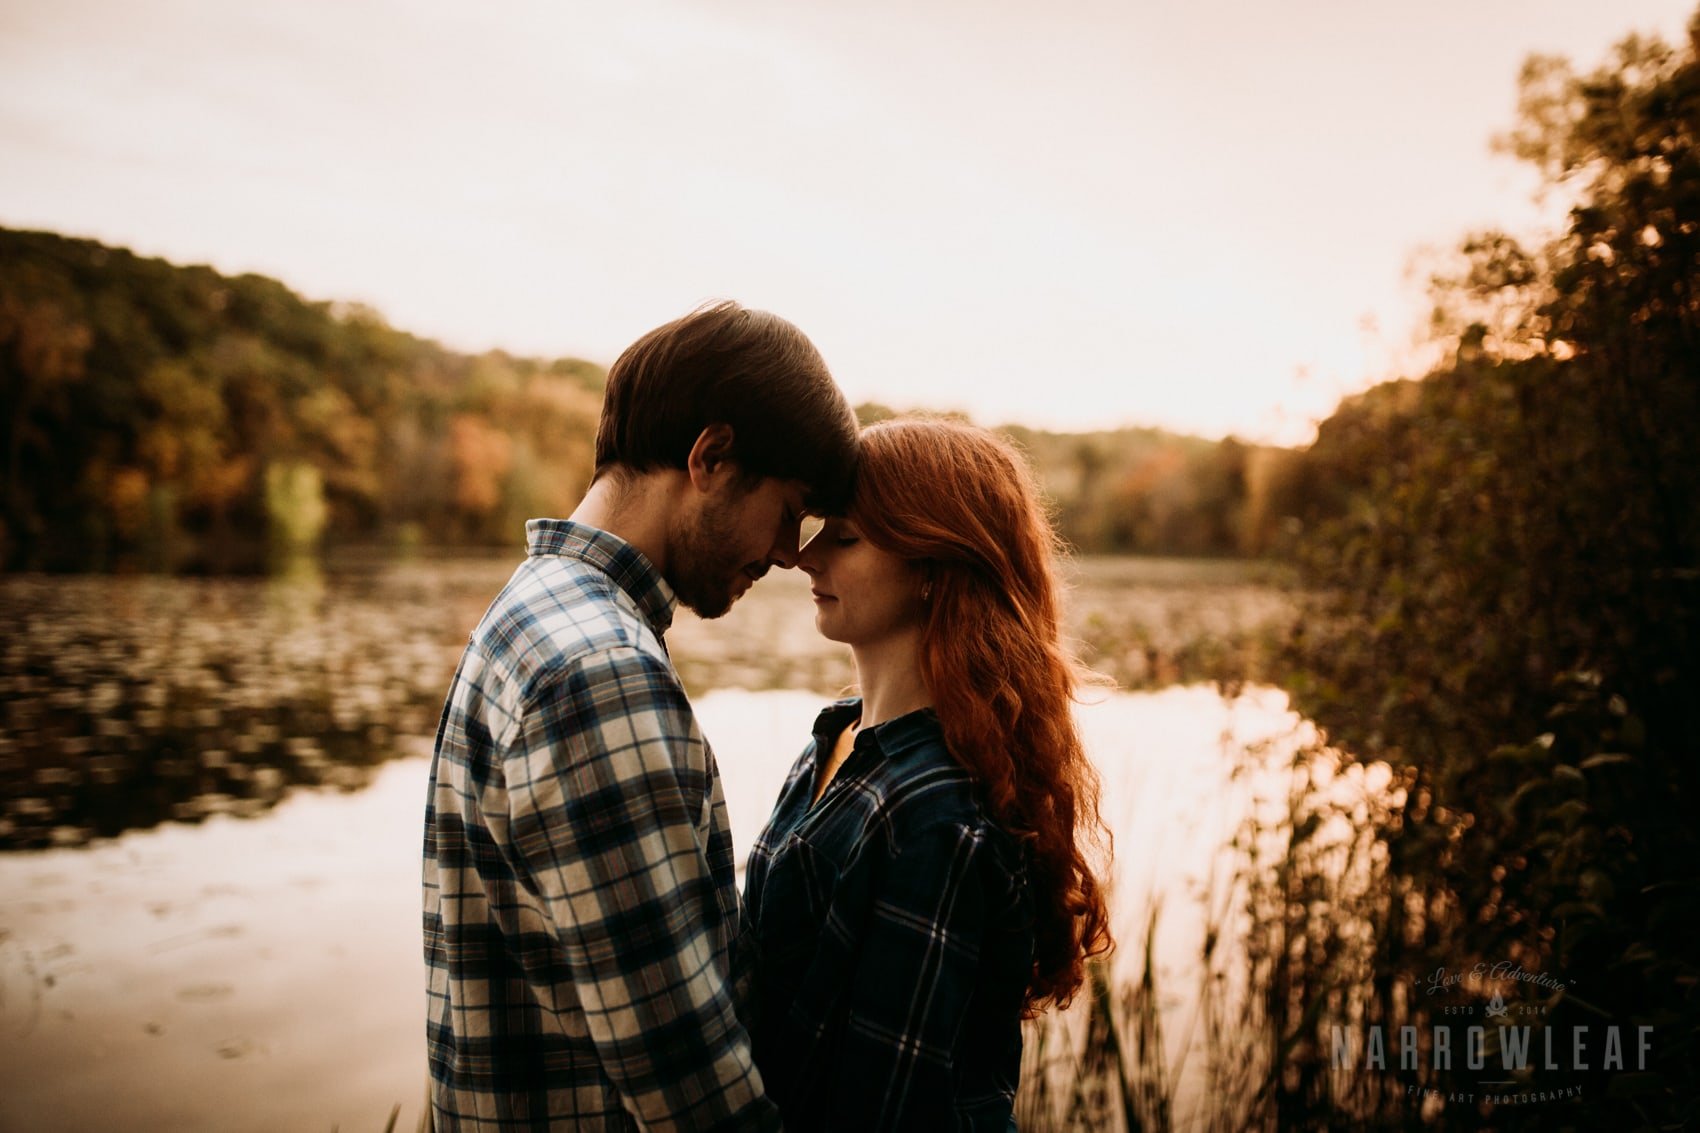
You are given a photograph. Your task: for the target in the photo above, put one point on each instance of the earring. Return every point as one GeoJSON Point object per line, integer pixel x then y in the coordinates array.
{"type": "Point", "coordinates": [927, 590]}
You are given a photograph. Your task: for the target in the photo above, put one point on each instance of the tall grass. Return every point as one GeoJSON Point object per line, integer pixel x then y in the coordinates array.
{"type": "Point", "coordinates": [1238, 1039]}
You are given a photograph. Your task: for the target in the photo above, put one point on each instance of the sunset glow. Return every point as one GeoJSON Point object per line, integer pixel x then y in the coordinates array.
{"type": "Point", "coordinates": [1193, 216]}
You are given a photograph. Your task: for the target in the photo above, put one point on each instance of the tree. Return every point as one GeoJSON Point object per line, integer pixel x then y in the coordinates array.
{"type": "Point", "coordinates": [1506, 556]}
{"type": "Point", "coordinates": [42, 351]}
{"type": "Point", "coordinates": [146, 401]}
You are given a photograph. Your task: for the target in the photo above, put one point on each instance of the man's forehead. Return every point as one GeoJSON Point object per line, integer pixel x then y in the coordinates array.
{"type": "Point", "coordinates": [797, 494]}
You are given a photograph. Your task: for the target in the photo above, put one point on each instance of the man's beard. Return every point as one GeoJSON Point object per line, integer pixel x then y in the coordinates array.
{"type": "Point", "coordinates": [701, 566]}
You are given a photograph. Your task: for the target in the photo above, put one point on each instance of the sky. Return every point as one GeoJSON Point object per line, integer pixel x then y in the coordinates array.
{"type": "Point", "coordinates": [1209, 216]}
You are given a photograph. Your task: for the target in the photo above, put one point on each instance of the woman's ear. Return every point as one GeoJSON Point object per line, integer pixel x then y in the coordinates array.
{"type": "Point", "coordinates": [710, 460]}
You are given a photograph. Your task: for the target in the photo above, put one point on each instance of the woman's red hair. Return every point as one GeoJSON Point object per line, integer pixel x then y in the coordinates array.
{"type": "Point", "coordinates": [961, 504]}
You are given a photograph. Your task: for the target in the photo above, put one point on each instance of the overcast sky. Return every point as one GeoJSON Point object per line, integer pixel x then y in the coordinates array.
{"type": "Point", "coordinates": [1078, 214]}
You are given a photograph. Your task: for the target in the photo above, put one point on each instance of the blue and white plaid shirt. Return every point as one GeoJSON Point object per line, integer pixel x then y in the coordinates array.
{"type": "Point", "coordinates": [581, 908]}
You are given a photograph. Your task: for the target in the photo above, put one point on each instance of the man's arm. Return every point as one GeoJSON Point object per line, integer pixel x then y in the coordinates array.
{"type": "Point", "coordinates": [606, 799]}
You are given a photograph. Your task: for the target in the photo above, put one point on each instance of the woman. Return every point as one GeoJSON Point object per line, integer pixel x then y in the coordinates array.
{"type": "Point", "coordinates": [923, 884]}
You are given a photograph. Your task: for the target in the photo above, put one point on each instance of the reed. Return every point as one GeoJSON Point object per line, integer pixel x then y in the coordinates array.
{"type": "Point", "coordinates": [1234, 1041]}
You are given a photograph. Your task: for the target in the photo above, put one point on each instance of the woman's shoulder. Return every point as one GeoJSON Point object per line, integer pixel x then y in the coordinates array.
{"type": "Point", "coordinates": [923, 789]}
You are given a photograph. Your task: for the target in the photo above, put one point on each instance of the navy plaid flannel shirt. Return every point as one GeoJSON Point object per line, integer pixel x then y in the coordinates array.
{"type": "Point", "coordinates": [894, 928]}
{"type": "Point", "coordinates": [580, 901]}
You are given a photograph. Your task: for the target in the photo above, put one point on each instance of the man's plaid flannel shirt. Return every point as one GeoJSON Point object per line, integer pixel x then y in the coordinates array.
{"type": "Point", "coordinates": [579, 890]}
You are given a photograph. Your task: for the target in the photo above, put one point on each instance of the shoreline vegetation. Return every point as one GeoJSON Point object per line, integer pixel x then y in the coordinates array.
{"type": "Point", "coordinates": [1489, 610]}
{"type": "Point", "coordinates": [1497, 575]}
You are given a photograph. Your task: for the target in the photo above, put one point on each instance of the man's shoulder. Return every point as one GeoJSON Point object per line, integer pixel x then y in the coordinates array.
{"type": "Point", "coordinates": [556, 614]}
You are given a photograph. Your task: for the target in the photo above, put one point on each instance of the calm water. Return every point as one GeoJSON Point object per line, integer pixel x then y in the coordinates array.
{"type": "Point", "coordinates": [126, 702]}
{"type": "Point", "coordinates": [244, 954]}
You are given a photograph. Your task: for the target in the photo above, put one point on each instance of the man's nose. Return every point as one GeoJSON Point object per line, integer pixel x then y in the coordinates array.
{"type": "Point", "coordinates": [783, 553]}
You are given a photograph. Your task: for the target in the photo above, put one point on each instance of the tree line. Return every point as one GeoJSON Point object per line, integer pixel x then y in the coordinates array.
{"type": "Point", "coordinates": [169, 417]}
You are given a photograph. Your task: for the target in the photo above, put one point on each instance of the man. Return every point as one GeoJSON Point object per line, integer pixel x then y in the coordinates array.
{"type": "Point", "coordinates": [580, 905]}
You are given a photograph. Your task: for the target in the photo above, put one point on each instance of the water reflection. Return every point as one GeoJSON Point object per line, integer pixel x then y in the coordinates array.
{"type": "Point", "coordinates": [126, 702]}
{"type": "Point", "coordinates": [267, 974]}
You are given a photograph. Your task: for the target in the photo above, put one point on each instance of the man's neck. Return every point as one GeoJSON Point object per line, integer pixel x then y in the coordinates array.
{"type": "Point", "coordinates": [635, 507]}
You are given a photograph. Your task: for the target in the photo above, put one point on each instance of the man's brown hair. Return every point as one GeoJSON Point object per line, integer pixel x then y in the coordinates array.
{"type": "Point", "coordinates": [727, 364]}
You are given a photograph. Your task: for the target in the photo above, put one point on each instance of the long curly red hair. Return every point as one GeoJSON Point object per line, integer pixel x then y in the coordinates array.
{"type": "Point", "coordinates": [961, 503]}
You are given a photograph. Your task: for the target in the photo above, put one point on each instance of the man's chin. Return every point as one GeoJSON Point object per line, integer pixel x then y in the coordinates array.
{"type": "Point", "coordinates": [711, 606]}
{"type": "Point", "coordinates": [708, 611]}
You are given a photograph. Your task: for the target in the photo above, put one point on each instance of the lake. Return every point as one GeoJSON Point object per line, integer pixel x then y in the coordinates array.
{"type": "Point", "coordinates": [212, 789]}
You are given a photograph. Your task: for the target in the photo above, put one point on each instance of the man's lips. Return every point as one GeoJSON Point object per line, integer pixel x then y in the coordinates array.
{"type": "Point", "coordinates": [820, 597]}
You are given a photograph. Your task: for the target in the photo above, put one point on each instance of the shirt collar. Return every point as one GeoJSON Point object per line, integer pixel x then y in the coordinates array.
{"type": "Point", "coordinates": [629, 567]}
{"type": "Point", "coordinates": [893, 737]}
{"type": "Point", "coordinates": [835, 717]}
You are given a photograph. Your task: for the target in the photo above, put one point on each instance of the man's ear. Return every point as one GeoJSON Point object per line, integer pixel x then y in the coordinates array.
{"type": "Point", "coordinates": [710, 462]}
